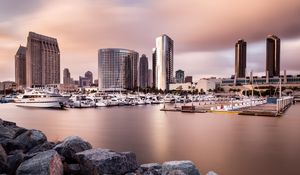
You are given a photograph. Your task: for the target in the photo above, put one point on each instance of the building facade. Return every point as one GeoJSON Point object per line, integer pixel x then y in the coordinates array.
{"type": "Point", "coordinates": [117, 69]}
{"type": "Point", "coordinates": [179, 75]}
{"type": "Point", "coordinates": [163, 67]}
{"type": "Point", "coordinates": [89, 76]}
{"type": "Point", "coordinates": [42, 60]}
{"type": "Point", "coordinates": [240, 58]}
{"type": "Point", "coordinates": [143, 76]}
{"type": "Point", "coordinates": [153, 67]}
{"type": "Point", "coordinates": [20, 67]}
{"type": "Point", "coordinates": [188, 79]}
{"type": "Point", "coordinates": [67, 76]}
{"type": "Point", "coordinates": [273, 56]}
{"type": "Point", "coordinates": [150, 78]}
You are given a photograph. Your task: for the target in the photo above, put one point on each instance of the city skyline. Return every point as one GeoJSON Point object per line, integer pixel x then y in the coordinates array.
{"type": "Point", "coordinates": [201, 50]}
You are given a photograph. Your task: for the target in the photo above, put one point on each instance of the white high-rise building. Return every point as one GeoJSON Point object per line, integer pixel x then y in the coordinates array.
{"type": "Point", "coordinates": [164, 62]}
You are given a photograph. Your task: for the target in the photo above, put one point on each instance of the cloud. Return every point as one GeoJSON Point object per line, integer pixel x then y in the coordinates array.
{"type": "Point", "coordinates": [204, 31]}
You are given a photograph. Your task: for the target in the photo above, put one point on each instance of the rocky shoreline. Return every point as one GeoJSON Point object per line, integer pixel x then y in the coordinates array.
{"type": "Point", "coordinates": [27, 151]}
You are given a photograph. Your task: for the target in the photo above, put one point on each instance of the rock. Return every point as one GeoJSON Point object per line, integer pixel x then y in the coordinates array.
{"type": "Point", "coordinates": [72, 169]}
{"type": "Point", "coordinates": [211, 173]}
{"type": "Point", "coordinates": [176, 172]}
{"type": "Point", "coordinates": [151, 169]}
{"type": "Point", "coordinates": [186, 167]}
{"type": "Point", "coordinates": [13, 161]}
{"type": "Point", "coordinates": [3, 160]}
{"type": "Point", "coordinates": [40, 148]}
{"type": "Point", "coordinates": [10, 145]}
{"type": "Point", "coordinates": [70, 146]}
{"type": "Point", "coordinates": [6, 133]}
{"type": "Point", "coordinates": [7, 123]}
{"type": "Point", "coordinates": [44, 163]}
{"type": "Point", "coordinates": [104, 161]}
{"type": "Point", "coordinates": [3, 155]}
{"type": "Point", "coordinates": [30, 139]}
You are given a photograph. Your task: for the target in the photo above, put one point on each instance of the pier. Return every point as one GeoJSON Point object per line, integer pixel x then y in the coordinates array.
{"type": "Point", "coordinates": [249, 107]}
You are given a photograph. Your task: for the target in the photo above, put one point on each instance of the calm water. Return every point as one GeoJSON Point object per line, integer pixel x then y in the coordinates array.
{"type": "Point", "coordinates": [227, 144]}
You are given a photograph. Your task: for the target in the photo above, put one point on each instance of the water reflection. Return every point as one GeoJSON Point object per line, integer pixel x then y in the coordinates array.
{"type": "Point", "coordinates": [227, 144]}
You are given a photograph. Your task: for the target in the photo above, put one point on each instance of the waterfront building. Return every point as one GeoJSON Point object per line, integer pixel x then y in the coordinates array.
{"type": "Point", "coordinates": [240, 58]}
{"type": "Point", "coordinates": [20, 67]}
{"type": "Point", "coordinates": [188, 79]}
{"type": "Point", "coordinates": [84, 81]}
{"type": "Point", "coordinates": [208, 84]}
{"type": "Point", "coordinates": [89, 76]}
{"type": "Point", "coordinates": [117, 69]}
{"type": "Point", "coordinates": [150, 78]}
{"type": "Point", "coordinates": [163, 66]}
{"type": "Point", "coordinates": [66, 76]}
{"type": "Point", "coordinates": [154, 68]}
{"type": "Point", "coordinates": [143, 71]}
{"type": "Point", "coordinates": [273, 56]}
{"type": "Point", "coordinates": [7, 86]}
{"type": "Point", "coordinates": [42, 60]}
{"type": "Point", "coordinates": [179, 75]}
{"type": "Point", "coordinates": [181, 87]}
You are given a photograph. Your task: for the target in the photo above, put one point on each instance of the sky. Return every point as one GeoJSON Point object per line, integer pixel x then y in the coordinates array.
{"type": "Point", "coordinates": [204, 31]}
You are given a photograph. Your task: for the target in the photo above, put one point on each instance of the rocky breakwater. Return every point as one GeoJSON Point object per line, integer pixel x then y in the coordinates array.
{"type": "Point", "coordinates": [27, 151]}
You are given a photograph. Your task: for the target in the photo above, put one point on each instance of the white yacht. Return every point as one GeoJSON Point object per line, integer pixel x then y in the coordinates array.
{"type": "Point", "coordinates": [81, 101]}
{"type": "Point", "coordinates": [40, 98]}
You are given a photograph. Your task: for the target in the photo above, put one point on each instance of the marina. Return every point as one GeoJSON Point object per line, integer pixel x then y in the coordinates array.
{"type": "Point", "coordinates": [209, 139]}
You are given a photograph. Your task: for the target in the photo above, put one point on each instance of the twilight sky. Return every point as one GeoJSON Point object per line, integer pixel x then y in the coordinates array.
{"type": "Point", "coordinates": [204, 31]}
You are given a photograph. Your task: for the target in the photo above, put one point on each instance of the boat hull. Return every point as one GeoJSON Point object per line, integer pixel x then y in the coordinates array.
{"type": "Point", "coordinates": [41, 104]}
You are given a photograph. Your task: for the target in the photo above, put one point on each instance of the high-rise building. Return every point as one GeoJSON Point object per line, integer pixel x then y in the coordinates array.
{"type": "Point", "coordinates": [273, 56]}
{"type": "Point", "coordinates": [67, 76]}
{"type": "Point", "coordinates": [150, 78]}
{"type": "Point", "coordinates": [117, 69]}
{"type": "Point", "coordinates": [20, 67]}
{"type": "Point", "coordinates": [164, 62]}
{"type": "Point", "coordinates": [42, 60]}
{"type": "Point", "coordinates": [179, 75]}
{"type": "Point", "coordinates": [154, 67]}
{"type": "Point", "coordinates": [188, 79]}
{"type": "Point", "coordinates": [143, 71]}
{"type": "Point", "coordinates": [240, 58]}
{"type": "Point", "coordinates": [89, 76]}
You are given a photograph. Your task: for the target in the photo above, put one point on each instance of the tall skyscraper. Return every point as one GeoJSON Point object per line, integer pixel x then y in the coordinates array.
{"type": "Point", "coordinates": [164, 62]}
{"type": "Point", "coordinates": [154, 67]}
{"type": "Point", "coordinates": [150, 78]}
{"type": "Point", "coordinates": [89, 76]}
{"type": "Point", "coordinates": [67, 76]}
{"type": "Point", "coordinates": [117, 69]}
{"type": "Point", "coordinates": [143, 71]}
{"type": "Point", "coordinates": [179, 75]}
{"type": "Point", "coordinates": [42, 60]}
{"type": "Point", "coordinates": [240, 58]}
{"type": "Point", "coordinates": [273, 56]}
{"type": "Point", "coordinates": [20, 67]}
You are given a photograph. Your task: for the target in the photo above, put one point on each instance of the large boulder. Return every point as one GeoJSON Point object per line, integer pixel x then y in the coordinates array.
{"type": "Point", "coordinates": [10, 145]}
{"type": "Point", "coordinates": [6, 132]}
{"type": "Point", "coordinates": [3, 160]}
{"type": "Point", "coordinates": [70, 146]}
{"type": "Point", "coordinates": [104, 161]}
{"type": "Point", "coordinates": [10, 130]}
{"type": "Point", "coordinates": [179, 167]}
{"type": "Point", "coordinates": [30, 139]}
{"type": "Point", "coordinates": [40, 148]}
{"type": "Point", "coordinates": [150, 169]}
{"type": "Point", "coordinates": [14, 160]}
{"type": "Point", "coordinates": [44, 163]}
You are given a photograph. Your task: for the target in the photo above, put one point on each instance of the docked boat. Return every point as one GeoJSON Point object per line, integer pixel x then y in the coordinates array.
{"type": "Point", "coordinates": [81, 101]}
{"type": "Point", "coordinates": [41, 99]}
